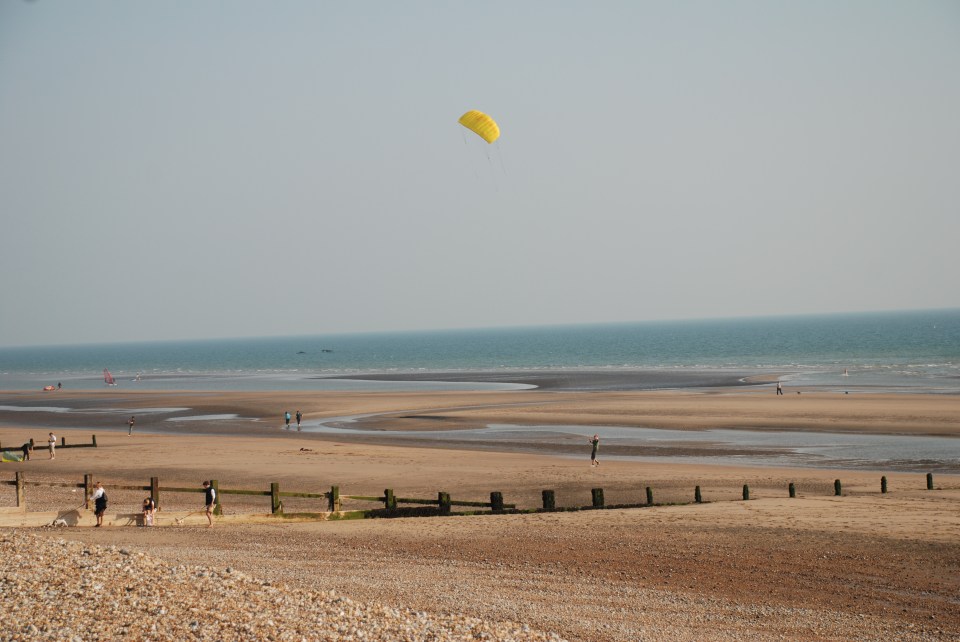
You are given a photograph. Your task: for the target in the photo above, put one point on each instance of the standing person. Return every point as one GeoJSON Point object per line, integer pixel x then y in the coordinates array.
{"type": "Point", "coordinates": [149, 508]}
{"type": "Point", "coordinates": [299, 419]}
{"type": "Point", "coordinates": [779, 387]}
{"type": "Point", "coordinates": [210, 497]}
{"type": "Point", "coordinates": [59, 385]}
{"type": "Point", "coordinates": [286, 417]}
{"type": "Point", "coordinates": [99, 498]}
{"type": "Point", "coordinates": [130, 423]}
{"type": "Point", "coordinates": [593, 453]}
{"type": "Point", "coordinates": [52, 442]}
{"type": "Point", "coordinates": [27, 448]}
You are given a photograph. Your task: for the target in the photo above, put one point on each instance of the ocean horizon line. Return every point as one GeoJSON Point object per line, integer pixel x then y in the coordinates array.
{"type": "Point", "coordinates": [494, 328]}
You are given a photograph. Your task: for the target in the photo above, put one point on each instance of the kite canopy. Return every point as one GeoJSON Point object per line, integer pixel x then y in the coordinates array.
{"type": "Point", "coordinates": [481, 125]}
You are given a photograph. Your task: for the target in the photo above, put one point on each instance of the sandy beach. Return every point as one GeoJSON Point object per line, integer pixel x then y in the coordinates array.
{"type": "Point", "coordinates": [864, 565]}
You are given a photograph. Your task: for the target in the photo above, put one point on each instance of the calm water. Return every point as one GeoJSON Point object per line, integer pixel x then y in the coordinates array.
{"type": "Point", "coordinates": [918, 350]}
{"type": "Point", "coordinates": [906, 453]}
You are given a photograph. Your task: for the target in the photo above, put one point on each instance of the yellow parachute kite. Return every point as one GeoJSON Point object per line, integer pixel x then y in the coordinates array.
{"type": "Point", "coordinates": [481, 125]}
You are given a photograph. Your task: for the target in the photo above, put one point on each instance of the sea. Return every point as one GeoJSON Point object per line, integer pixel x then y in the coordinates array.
{"type": "Point", "coordinates": [911, 351]}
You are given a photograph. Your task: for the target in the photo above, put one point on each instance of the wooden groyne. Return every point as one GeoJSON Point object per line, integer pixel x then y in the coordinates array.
{"type": "Point", "coordinates": [43, 444]}
{"type": "Point", "coordinates": [330, 503]}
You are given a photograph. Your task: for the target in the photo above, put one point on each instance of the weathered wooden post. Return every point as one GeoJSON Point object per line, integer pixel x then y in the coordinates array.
{"type": "Point", "coordinates": [94, 441]}
{"type": "Point", "coordinates": [334, 497]}
{"type": "Point", "coordinates": [155, 490]}
{"type": "Point", "coordinates": [63, 441]}
{"type": "Point", "coordinates": [929, 481]}
{"type": "Point", "coordinates": [549, 500]}
{"type": "Point", "coordinates": [389, 499]}
{"type": "Point", "coordinates": [21, 499]}
{"type": "Point", "coordinates": [275, 505]}
{"type": "Point", "coordinates": [792, 489]}
{"type": "Point", "coordinates": [597, 496]}
{"type": "Point", "coordinates": [837, 488]}
{"type": "Point", "coordinates": [697, 497]}
{"type": "Point", "coordinates": [87, 490]}
{"type": "Point", "coordinates": [649, 496]}
{"type": "Point", "coordinates": [496, 501]}
{"type": "Point", "coordinates": [883, 484]}
{"type": "Point", "coordinates": [746, 493]}
{"type": "Point", "coordinates": [217, 509]}
{"type": "Point", "coordinates": [443, 503]}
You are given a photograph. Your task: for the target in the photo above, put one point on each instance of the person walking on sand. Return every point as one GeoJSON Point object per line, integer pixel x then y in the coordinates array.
{"type": "Point", "coordinates": [286, 418]}
{"type": "Point", "coordinates": [52, 443]}
{"type": "Point", "coordinates": [99, 498]}
{"type": "Point", "coordinates": [593, 453]}
{"type": "Point", "coordinates": [130, 423]}
{"type": "Point", "coordinates": [210, 497]}
{"type": "Point", "coordinates": [779, 387]}
{"type": "Point", "coordinates": [299, 419]}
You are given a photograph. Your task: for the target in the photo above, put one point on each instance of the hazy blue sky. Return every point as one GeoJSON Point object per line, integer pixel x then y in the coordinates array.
{"type": "Point", "coordinates": [216, 169]}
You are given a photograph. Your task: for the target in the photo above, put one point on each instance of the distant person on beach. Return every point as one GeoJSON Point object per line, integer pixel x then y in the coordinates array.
{"type": "Point", "coordinates": [286, 417]}
{"type": "Point", "coordinates": [27, 448]}
{"type": "Point", "coordinates": [593, 453]}
{"type": "Point", "coordinates": [210, 498]}
{"type": "Point", "coordinates": [299, 419]}
{"type": "Point", "coordinates": [130, 423]}
{"type": "Point", "coordinates": [59, 385]}
{"type": "Point", "coordinates": [99, 498]}
{"type": "Point", "coordinates": [149, 508]}
{"type": "Point", "coordinates": [779, 388]}
{"type": "Point", "coordinates": [52, 443]}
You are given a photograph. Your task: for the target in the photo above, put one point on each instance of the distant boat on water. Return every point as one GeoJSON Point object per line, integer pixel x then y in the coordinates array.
{"type": "Point", "coordinates": [326, 350]}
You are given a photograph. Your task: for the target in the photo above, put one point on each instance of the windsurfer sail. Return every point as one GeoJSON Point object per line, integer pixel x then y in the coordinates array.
{"type": "Point", "coordinates": [108, 378]}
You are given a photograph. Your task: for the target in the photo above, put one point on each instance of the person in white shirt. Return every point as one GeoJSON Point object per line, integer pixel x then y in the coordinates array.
{"type": "Point", "coordinates": [99, 498]}
{"type": "Point", "coordinates": [52, 441]}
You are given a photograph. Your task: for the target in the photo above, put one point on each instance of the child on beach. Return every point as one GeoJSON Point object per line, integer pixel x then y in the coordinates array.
{"type": "Point", "coordinates": [286, 417]}
{"type": "Point", "coordinates": [52, 443]}
{"type": "Point", "coordinates": [149, 508]}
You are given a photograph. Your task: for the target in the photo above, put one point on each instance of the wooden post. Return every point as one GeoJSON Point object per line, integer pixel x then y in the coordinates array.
{"type": "Point", "coordinates": [649, 496]}
{"type": "Point", "coordinates": [597, 494]}
{"type": "Point", "coordinates": [746, 493]}
{"type": "Point", "coordinates": [63, 441]}
{"type": "Point", "coordinates": [549, 500]}
{"type": "Point", "coordinates": [334, 499]}
{"type": "Point", "coordinates": [496, 502]}
{"type": "Point", "coordinates": [275, 505]}
{"type": "Point", "coordinates": [389, 499]}
{"type": "Point", "coordinates": [87, 490]}
{"type": "Point", "coordinates": [883, 484]}
{"type": "Point", "coordinates": [792, 489]}
{"type": "Point", "coordinates": [155, 490]}
{"type": "Point", "coordinates": [21, 500]}
{"type": "Point", "coordinates": [929, 481]}
{"type": "Point", "coordinates": [94, 441]}
{"type": "Point", "coordinates": [217, 509]}
{"type": "Point", "coordinates": [443, 502]}
{"type": "Point", "coordinates": [837, 488]}
{"type": "Point", "coordinates": [697, 497]}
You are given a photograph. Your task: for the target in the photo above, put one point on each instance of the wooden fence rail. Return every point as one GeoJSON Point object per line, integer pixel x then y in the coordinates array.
{"type": "Point", "coordinates": [63, 444]}
{"type": "Point", "coordinates": [390, 501]}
